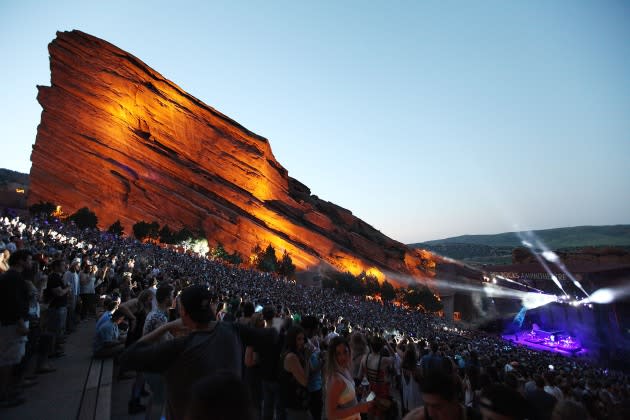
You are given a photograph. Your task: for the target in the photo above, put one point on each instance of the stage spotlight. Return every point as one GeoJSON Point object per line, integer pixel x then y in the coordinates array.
{"type": "Point", "coordinates": [551, 256]}
{"type": "Point", "coordinates": [601, 296]}
{"type": "Point", "coordinates": [535, 300]}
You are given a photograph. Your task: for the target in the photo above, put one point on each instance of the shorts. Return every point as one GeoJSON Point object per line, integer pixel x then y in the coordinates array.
{"type": "Point", "coordinates": [12, 345]}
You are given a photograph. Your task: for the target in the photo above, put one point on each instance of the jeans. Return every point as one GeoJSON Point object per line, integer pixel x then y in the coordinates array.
{"type": "Point", "coordinates": [57, 320]}
{"type": "Point", "coordinates": [72, 319]}
{"type": "Point", "coordinates": [272, 401]}
{"type": "Point", "coordinates": [315, 404]}
{"type": "Point", "coordinates": [88, 305]}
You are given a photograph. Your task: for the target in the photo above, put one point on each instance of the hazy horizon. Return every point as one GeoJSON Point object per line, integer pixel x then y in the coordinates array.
{"type": "Point", "coordinates": [475, 234]}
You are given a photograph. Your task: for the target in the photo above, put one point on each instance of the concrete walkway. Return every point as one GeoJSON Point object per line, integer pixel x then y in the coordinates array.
{"type": "Point", "coordinates": [58, 394]}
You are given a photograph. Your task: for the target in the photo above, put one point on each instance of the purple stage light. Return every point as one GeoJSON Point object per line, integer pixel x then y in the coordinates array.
{"type": "Point", "coordinates": [554, 341]}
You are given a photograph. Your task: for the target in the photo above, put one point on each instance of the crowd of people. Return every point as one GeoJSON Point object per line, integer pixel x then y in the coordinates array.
{"type": "Point", "coordinates": [211, 340]}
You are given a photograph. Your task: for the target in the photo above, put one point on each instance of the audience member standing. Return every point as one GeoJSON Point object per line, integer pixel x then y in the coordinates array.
{"type": "Point", "coordinates": [316, 364]}
{"type": "Point", "coordinates": [155, 319]}
{"type": "Point", "coordinates": [136, 310]}
{"type": "Point", "coordinates": [541, 402]}
{"type": "Point", "coordinates": [71, 278]}
{"type": "Point", "coordinates": [14, 308]}
{"type": "Point", "coordinates": [87, 290]}
{"type": "Point", "coordinates": [360, 349]}
{"type": "Point", "coordinates": [341, 400]}
{"type": "Point", "coordinates": [56, 293]}
{"type": "Point", "coordinates": [268, 357]}
{"type": "Point", "coordinates": [293, 376]}
{"type": "Point", "coordinates": [209, 347]}
{"type": "Point", "coordinates": [439, 395]}
{"type": "Point", "coordinates": [411, 397]}
{"type": "Point", "coordinates": [376, 367]}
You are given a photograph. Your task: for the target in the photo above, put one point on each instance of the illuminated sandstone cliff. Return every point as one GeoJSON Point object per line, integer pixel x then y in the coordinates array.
{"type": "Point", "coordinates": [119, 138]}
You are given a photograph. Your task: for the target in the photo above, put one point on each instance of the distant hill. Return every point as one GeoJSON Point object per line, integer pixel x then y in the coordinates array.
{"type": "Point", "coordinates": [8, 176]}
{"type": "Point", "coordinates": [13, 187]}
{"type": "Point", "coordinates": [497, 249]}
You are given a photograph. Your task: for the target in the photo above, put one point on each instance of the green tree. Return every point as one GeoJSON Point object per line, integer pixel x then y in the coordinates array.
{"type": "Point", "coordinates": [412, 296]}
{"type": "Point", "coordinates": [143, 230]}
{"type": "Point", "coordinates": [420, 295]}
{"type": "Point", "coordinates": [268, 261]}
{"type": "Point", "coordinates": [235, 258]}
{"type": "Point", "coordinates": [346, 282]}
{"type": "Point", "coordinates": [430, 301]}
{"type": "Point", "coordinates": [370, 284]}
{"type": "Point", "coordinates": [42, 208]}
{"type": "Point", "coordinates": [387, 291]}
{"type": "Point", "coordinates": [219, 253]}
{"type": "Point", "coordinates": [116, 228]}
{"type": "Point", "coordinates": [84, 218]}
{"type": "Point", "coordinates": [166, 235]}
{"type": "Point", "coordinates": [286, 267]}
{"type": "Point", "coordinates": [256, 256]}
{"type": "Point", "coordinates": [183, 235]}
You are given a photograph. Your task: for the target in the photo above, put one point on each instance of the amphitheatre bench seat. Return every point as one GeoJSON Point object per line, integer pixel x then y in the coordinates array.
{"type": "Point", "coordinates": [97, 393]}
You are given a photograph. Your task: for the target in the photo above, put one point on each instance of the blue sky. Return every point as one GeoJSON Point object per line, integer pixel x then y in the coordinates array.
{"type": "Point", "coordinates": [427, 119]}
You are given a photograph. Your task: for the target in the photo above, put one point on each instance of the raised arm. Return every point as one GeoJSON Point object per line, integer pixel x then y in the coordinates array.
{"type": "Point", "coordinates": [145, 355]}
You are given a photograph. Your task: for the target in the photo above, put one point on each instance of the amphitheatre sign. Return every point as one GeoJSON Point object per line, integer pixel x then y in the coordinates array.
{"type": "Point", "coordinates": [529, 276]}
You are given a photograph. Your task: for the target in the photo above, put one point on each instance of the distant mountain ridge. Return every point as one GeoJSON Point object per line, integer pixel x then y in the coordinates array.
{"type": "Point", "coordinates": [497, 249]}
{"type": "Point", "coordinates": [9, 176]}
{"type": "Point", "coordinates": [567, 237]}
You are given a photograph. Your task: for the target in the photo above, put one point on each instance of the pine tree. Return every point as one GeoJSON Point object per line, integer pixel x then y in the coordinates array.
{"type": "Point", "coordinates": [387, 291]}
{"type": "Point", "coordinates": [219, 253]}
{"type": "Point", "coordinates": [116, 228]}
{"type": "Point", "coordinates": [166, 235]}
{"type": "Point", "coordinates": [269, 261]}
{"type": "Point", "coordinates": [84, 218]}
{"type": "Point", "coordinates": [286, 267]}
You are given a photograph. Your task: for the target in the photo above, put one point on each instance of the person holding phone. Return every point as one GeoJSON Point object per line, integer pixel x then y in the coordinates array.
{"type": "Point", "coordinates": [341, 400]}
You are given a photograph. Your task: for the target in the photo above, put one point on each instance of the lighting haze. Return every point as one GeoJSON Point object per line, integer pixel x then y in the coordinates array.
{"type": "Point", "coordinates": [425, 119]}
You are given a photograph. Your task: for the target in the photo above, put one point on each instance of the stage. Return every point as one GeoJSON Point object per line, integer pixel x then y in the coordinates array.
{"type": "Point", "coordinates": [552, 341]}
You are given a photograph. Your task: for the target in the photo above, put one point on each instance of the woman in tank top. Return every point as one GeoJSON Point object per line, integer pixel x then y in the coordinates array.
{"type": "Point", "coordinates": [293, 377]}
{"type": "Point", "coordinates": [376, 368]}
{"type": "Point", "coordinates": [341, 401]}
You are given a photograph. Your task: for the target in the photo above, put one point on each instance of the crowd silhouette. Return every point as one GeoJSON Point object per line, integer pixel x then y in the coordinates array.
{"type": "Point", "coordinates": [212, 340]}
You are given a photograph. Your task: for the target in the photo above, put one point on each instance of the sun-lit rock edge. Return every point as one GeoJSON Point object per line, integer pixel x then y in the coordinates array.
{"type": "Point", "coordinates": [119, 138]}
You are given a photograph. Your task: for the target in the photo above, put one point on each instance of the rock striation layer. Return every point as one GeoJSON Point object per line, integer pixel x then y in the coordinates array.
{"type": "Point", "coordinates": [119, 138]}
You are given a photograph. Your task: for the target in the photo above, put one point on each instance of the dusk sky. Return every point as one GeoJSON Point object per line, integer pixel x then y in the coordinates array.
{"type": "Point", "coordinates": [426, 119]}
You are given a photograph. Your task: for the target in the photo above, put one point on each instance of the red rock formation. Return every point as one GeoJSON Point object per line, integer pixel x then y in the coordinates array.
{"type": "Point", "coordinates": [119, 138]}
